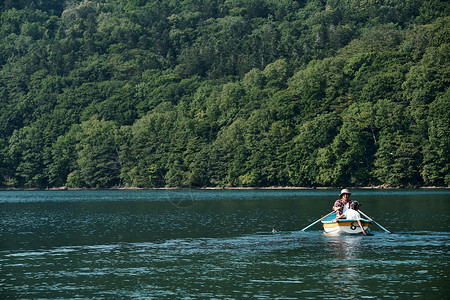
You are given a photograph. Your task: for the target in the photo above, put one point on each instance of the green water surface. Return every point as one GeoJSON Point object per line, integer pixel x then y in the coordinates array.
{"type": "Point", "coordinates": [219, 244]}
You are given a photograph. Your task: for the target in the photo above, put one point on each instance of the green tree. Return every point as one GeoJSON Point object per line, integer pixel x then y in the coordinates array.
{"type": "Point", "coordinates": [64, 159]}
{"type": "Point", "coordinates": [436, 153]}
{"type": "Point", "coordinates": [301, 158]}
{"type": "Point", "coordinates": [350, 155]}
{"type": "Point", "coordinates": [25, 148]}
{"type": "Point", "coordinates": [98, 154]}
{"type": "Point", "coordinates": [144, 164]}
{"type": "Point", "coordinates": [398, 159]}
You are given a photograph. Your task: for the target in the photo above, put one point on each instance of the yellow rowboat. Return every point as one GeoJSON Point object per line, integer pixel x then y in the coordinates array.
{"type": "Point", "coordinates": [344, 225]}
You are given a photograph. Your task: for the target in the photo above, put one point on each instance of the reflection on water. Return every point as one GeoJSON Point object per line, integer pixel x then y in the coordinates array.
{"type": "Point", "coordinates": [218, 244]}
{"type": "Point", "coordinates": [345, 276]}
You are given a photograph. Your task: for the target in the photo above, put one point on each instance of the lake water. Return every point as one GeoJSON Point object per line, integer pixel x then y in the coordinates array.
{"type": "Point", "coordinates": [218, 244]}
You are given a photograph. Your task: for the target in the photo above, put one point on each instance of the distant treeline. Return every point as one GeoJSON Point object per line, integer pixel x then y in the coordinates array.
{"type": "Point", "coordinates": [194, 93]}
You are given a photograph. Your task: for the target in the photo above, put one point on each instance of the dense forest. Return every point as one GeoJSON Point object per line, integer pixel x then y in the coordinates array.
{"type": "Point", "coordinates": [217, 93]}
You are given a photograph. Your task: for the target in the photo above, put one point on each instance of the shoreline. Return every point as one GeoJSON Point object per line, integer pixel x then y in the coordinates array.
{"type": "Point", "coordinates": [378, 187]}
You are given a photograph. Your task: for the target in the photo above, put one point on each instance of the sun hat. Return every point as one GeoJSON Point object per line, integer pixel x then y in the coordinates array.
{"type": "Point", "coordinates": [344, 191]}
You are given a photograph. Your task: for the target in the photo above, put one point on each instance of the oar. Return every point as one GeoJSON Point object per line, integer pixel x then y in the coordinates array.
{"type": "Point", "coordinates": [374, 221]}
{"type": "Point", "coordinates": [318, 221]}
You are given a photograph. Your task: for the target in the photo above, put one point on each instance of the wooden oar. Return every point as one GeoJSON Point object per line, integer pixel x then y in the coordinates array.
{"type": "Point", "coordinates": [312, 224]}
{"type": "Point", "coordinates": [374, 221]}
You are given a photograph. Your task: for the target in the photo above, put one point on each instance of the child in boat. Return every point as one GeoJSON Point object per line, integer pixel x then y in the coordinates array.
{"type": "Point", "coordinates": [353, 214]}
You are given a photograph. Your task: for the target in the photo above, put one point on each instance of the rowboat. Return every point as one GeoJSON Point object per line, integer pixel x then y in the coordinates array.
{"type": "Point", "coordinates": [344, 225]}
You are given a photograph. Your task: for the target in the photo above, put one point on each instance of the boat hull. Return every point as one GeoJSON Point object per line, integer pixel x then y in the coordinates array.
{"type": "Point", "coordinates": [344, 225]}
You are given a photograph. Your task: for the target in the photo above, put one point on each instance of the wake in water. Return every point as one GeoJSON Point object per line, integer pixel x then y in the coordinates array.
{"type": "Point", "coordinates": [260, 242]}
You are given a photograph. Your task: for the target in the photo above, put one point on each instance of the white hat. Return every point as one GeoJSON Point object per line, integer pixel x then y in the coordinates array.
{"type": "Point", "coordinates": [344, 191]}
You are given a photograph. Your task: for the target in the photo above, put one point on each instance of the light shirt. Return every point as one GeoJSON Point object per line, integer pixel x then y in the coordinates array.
{"type": "Point", "coordinates": [346, 207]}
{"type": "Point", "coordinates": [352, 214]}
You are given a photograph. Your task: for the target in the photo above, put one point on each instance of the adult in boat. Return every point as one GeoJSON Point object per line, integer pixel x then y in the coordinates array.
{"type": "Point", "coordinates": [353, 214]}
{"type": "Point", "coordinates": [342, 204]}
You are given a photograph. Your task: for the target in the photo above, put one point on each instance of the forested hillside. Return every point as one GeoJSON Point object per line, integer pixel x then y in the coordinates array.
{"type": "Point", "coordinates": [195, 93]}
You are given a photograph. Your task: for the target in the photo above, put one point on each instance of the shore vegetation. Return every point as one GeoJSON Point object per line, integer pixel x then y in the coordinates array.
{"type": "Point", "coordinates": [214, 93]}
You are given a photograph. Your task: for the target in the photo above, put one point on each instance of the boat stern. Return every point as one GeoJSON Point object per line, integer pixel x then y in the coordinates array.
{"type": "Point", "coordinates": [344, 225]}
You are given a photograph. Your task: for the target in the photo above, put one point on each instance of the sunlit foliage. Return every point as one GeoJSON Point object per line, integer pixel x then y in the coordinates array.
{"type": "Point", "coordinates": [195, 93]}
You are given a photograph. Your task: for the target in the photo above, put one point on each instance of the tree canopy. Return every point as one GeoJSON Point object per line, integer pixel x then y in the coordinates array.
{"type": "Point", "coordinates": [197, 93]}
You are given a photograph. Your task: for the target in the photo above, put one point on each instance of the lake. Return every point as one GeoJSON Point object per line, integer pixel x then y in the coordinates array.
{"type": "Point", "coordinates": [220, 244]}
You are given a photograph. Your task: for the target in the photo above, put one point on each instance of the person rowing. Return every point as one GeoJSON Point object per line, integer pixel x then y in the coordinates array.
{"type": "Point", "coordinates": [342, 204]}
